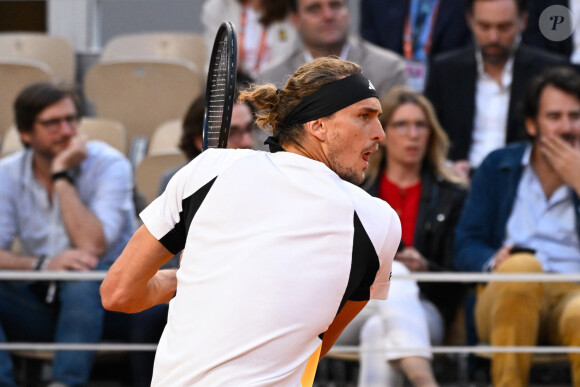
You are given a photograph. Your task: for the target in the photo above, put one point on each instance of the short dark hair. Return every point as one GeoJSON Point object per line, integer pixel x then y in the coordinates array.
{"type": "Point", "coordinates": [563, 78]}
{"type": "Point", "coordinates": [522, 5]}
{"type": "Point", "coordinates": [34, 98]}
{"type": "Point", "coordinates": [192, 127]}
{"type": "Point", "coordinates": [294, 5]}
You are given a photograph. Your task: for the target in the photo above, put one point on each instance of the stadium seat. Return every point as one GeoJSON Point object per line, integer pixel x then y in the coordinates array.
{"type": "Point", "coordinates": [55, 52]}
{"type": "Point", "coordinates": [15, 75]}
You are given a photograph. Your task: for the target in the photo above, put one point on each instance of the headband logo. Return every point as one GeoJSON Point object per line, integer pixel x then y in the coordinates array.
{"type": "Point", "coordinates": [371, 87]}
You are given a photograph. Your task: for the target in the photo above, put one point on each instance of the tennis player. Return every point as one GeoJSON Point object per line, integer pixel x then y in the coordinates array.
{"type": "Point", "coordinates": [281, 249]}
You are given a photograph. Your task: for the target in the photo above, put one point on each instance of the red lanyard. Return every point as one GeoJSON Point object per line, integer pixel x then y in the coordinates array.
{"type": "Point", "coordinates": [408, 34]}
{"type": "Point", "coordinates": [241, 42]}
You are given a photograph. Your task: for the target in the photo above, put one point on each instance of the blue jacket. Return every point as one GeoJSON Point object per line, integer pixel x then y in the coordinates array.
{"type": "Point", "coordinates": [481, 228]}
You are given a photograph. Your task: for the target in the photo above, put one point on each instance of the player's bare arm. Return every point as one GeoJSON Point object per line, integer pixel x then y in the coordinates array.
{"type": "Point", "coordinates": [134, 282]}
{"type": "Point", "coordinates": [342, 319]}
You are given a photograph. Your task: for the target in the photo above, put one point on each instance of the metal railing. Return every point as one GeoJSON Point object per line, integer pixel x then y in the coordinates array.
{"type": "Point", "coordinates": [465, 277]}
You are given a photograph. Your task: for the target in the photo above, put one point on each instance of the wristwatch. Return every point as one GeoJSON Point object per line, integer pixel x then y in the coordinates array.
{"type": "Point", "coordinates": [62, 175]}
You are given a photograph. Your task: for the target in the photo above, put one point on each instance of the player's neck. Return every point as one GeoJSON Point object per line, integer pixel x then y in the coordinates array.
{"type": "Point", "coordinates": [307, 151]}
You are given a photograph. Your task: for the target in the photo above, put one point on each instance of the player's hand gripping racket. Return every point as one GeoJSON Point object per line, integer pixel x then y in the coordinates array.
{"type": "Point", "coordinates": [220, 88]}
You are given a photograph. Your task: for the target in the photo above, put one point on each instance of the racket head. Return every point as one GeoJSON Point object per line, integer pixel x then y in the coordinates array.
{"type": "Point", "coordinates": [220, 88]}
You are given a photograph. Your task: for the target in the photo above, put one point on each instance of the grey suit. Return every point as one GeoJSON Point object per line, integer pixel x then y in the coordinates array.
{"type": "Point", "coordinates": [383, 67]}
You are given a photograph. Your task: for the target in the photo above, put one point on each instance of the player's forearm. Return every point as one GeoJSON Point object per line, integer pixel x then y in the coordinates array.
{"type": "Point", "coordinates": [83, 227]}
{"type": "Point", "coordinates": [134, 282]}
{"type": "Point", "coordinates": [138, 296]}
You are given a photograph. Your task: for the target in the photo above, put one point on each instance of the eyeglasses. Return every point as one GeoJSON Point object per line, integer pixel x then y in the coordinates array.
{"type": "Point", "coordinates": [404, 127]}
{"type": "Point", "coordinates": [53, 124]}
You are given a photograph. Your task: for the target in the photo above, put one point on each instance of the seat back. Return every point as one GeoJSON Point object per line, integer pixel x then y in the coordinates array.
{"type": "Point", "coordinates": [149, 172]}
{"type": "Point", "coordinates": [142, 94]}
{"type": "Point", "coordinates": [166, 137]}
{"type": "Point", "coordinates": [10, 142]}
{"type": "Point", "coordinates": [56, 52]}
{"type": "Point", "coordinates": [15, 75]}
{"type": "Point", "coordinates": [161, 45]}
{"type": "Point", "coordinates": [110, 131]}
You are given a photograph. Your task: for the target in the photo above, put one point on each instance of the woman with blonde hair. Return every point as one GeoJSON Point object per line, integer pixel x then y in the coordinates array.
{"type": "Point", "coordinates": [411, 173]}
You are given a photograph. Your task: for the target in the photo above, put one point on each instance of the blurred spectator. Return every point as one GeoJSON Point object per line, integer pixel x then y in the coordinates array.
{"type": "Point", "coordinates": [475, 90]}
{"type": "Point", "coordinates": [69, 204]}
{"type": "Point", "coordinates": [522, 215]}
{"type": "Point", "coordinates": [265, 35]}
{"type": "Point", "coordinates": [532, 35]}
{"type": "Point", "coordinates": [410, 173]}
{"type": "Point", "coordinates": [416, 29]}
{"type": "Point", "coordinates": [323, 27]}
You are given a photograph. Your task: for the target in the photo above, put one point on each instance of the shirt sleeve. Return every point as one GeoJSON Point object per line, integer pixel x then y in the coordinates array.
{"type": "Point", "coordinates": [8, 227]}
{"type": "Point", "coordinates": [112, 200]}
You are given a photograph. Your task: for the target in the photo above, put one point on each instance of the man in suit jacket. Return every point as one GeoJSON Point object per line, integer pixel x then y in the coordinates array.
{"type": "Point", "coordinates": [323, 27]}
{"type": "Point", "coordinates": [475, 90]}
{"type": "Point", "coordinates": [382, 22]}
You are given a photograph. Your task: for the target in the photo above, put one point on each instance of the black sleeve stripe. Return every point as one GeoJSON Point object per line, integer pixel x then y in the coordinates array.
{"type": "Point", "coordinates": [364, 266]}
{"type": "Point", "coordinates": [174, 240]}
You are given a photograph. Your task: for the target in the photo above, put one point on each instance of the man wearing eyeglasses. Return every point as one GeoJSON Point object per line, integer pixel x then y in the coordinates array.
{"type": "Point", "coordinates": [69, 204]}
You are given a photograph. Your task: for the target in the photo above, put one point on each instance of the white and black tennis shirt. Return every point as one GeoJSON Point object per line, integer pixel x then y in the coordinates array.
{"type": "Point", "coordinates": [274, 245]}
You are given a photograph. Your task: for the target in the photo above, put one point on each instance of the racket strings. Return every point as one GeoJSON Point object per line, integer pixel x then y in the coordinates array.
{"type": "Point", "coordinates": [218, 95]}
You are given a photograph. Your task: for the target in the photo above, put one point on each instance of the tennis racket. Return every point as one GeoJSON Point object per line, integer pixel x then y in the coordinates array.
{"type": "Point", "coordinates": [220, 88]}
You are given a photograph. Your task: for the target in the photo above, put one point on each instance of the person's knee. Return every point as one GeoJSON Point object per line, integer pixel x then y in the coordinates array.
{"type": "Point", "coordinates": [521, 263]}
{"type": "Point", "coordinates": [372, 331]}
{"type": "Point", "coordinates": [570, 321]}
{"type": "Point", "coordinates": [86, 291]}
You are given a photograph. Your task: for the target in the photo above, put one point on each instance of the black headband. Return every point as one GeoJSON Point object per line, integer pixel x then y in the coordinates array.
{"type": "Point", "coordinates": [331, 98]}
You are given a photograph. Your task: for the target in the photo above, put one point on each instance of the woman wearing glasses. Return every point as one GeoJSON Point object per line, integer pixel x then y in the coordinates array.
{"type": "Point", "coordinates": [410, 172]}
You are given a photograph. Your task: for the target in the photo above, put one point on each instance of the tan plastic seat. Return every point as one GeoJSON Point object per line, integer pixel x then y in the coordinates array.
{"type": "Point", "coordinates": [15, 75]}
{"type": "Point", "coordinates": [142, 94]}
{"type": "Point", "coordinates": [110, 131]}
{"type": "Point", "coordinates": [161, 45]}
{"type": "Point", "coordinates": [165, 137]}
{"type": "Point", "coordinates": [150, 170]}
{"type": "Point", "coordinates": [56, 52]}
{"type": "Point", "coordinates": [10, 142]}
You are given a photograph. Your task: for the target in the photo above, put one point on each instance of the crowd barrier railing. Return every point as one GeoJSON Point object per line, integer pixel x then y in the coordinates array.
{"type": "Point", "coordinates": [464, 277]}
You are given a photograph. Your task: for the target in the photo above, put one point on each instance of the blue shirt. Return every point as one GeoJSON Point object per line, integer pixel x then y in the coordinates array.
{"type": "Point", "coordinates": [482, 227]}
{"type": "Point", "coordinates": [547, 225]}
{"type": "Point", "coordinates": [104, 182]}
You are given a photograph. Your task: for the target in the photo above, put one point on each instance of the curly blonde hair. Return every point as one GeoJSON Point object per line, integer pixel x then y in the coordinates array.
{"type": "Point", "coordinates": [273, 105]}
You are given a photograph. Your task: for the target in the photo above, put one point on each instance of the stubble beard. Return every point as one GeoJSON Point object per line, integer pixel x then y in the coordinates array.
{"type": "Point", "coordinates": [345, 173]}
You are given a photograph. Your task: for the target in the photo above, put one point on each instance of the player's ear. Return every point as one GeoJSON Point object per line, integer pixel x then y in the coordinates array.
{"type": "Point", "coordinates": [316, 128]}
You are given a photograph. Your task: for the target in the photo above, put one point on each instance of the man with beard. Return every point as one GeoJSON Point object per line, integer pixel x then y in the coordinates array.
{"type": "Point", "coordinates": [522, 215]}
{"type": "Point", "coordinates": [475, 90]}
{"type": "Point", "coordinates": [323, 27]}
{"type": "Point", "coordinates": [69, 203]}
